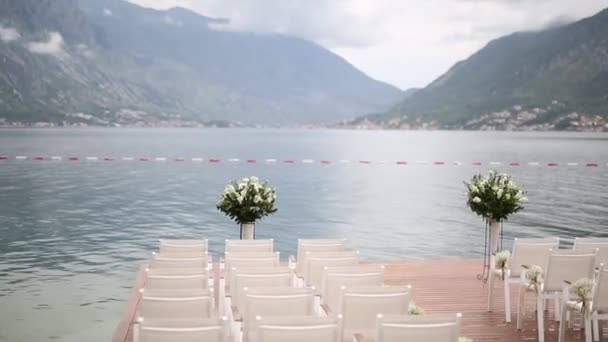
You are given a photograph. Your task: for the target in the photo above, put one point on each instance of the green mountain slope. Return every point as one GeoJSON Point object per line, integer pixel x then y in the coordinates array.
{"type": "Point", "coordinates": [541, 75]}
{"type": "Point", "coordinates": [123, 64]}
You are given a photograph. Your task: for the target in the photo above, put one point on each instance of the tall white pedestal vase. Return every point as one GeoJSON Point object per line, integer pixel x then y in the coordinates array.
{"type": "Point", "coordinates": [494, 197]}
{"type": "Point", "coordinates": [493, 235]}
{"type": "Point", "coordinates": [247, 231]}
{"type": "Point", "coordinates": [247, 201]}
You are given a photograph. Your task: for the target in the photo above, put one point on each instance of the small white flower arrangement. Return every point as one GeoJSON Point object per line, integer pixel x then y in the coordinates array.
{"type": "Point", "coordinates": [247, 200]}
{"type": "Point", "coordinates": [415, 310]}
{"type": "Point", "coordinates": [582, 290]}
{"type": "Point", "coordinates": [464, 339]}
{"type": "Point", "coordinates": [495, 196]}
{"type": "Point", "coordinates": [534, 276]}
{"type": "Point", "coordinates": [502, 261]}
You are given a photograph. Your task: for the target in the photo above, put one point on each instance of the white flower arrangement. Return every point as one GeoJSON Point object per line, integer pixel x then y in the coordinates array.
{"type": "Point", "coordinates": [464, 339]}
{"type": "Point", "coordinates": [534, 276]}
{"type": "Point", "coordinates": [247, 200]}
{"type": "Point", "coordinates": [502, 261]}
{"type": "Point", "coordinates": [495, 196]}
{"type": "Point", "coordinates": [582, 289]}
{"type": "Point", "coordinates": [415, 310]}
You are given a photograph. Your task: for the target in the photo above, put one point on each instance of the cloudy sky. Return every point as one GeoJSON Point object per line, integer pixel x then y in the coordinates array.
{"type": "Point", "coordinates": [407, 43]}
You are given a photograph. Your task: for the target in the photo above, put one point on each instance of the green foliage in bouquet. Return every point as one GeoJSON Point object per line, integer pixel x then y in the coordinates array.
{"type": "Point", "coordinates": [247, 200]}
{"type": "Point", "coordinates": [495, 196]}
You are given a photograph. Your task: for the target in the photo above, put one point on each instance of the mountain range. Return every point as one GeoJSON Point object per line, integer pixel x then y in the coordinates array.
{"type": "Point", "coordinates": [111, 62]}
{"type": "Point", "coordinates": [555, 78]}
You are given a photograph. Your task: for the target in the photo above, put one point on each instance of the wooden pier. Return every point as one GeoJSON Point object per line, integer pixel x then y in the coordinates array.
{"type": "Point", "coordinates": [438, 286]}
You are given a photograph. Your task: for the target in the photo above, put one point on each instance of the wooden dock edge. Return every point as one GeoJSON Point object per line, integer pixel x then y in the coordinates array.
{"type": "Point", "coordinates": [122, 329]}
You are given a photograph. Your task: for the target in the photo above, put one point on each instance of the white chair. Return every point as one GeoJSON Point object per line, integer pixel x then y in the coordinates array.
{"type": "Point", "coordinates": [249, 245]}
{"type": "Point", "coordinates": [317, 261]}
{"type": "Point", "coordinates": [354, 276]}
{"type": "Point", "coordinates": [563, 266]}
{"type": "Point", "coordinates": [298, 329]}
{"type": "Point", "coordinates": [184, 255]}
{"type": "Point", "coordinates": [162, 262]}
{"type": "Point", "coordinates": [180, 271]}
{"type": "Point", "coordinates": [170, 246]}
{"type": "Point", "coordinates": [314, 245]}
{"type": "Point", "coordinates": [182, 306]}
{"type": "Point", "coordinates": [180, 255]}
{"type": "Point", "coordinates": [360, 307]}
{"type": "Point", "coordinates": [588, 245]}
{"type": "Point", "coordinates": [525, 252]}
{"type": "Point", "coordinates": [424, 328]}
{"type": "Point", "coordinates": [249, 260]}
{"type": "Point", "coordinates": [208, 330]}
{"type": "Point", "coordinates": [598, 310]}
{"type": "Point", "coordinates": [275, 302]}
{"type": "Point", "coordinates": [187, 282]}
{"type": "Point", "coordinates": [257, 278]}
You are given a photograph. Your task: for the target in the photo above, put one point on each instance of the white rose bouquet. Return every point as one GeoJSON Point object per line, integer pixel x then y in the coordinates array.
{"type": "Point", "coordinates": [247, 200]}
{"type": "Point", "coordinates": [415, 310]}
{"type": "Point", "coordinates": [582, 290]}
{"type": "Point", "coordinates": [534, 276]}
{"type": "Point", "coordinates": [502, 261]}
{"type": "Point", "coordinates": [495, 196]}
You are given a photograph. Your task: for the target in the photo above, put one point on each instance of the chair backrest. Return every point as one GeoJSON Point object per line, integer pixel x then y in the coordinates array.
{"type": "Point", "coordinates": [317, 261]}
{"type": "Point", "coordinates": [209, 330]}
{"type": "Point", "coordinates": [424, 328]}
{"type": "Point", "coordinates": [181, 271]}
{"type": "Point", "coordinates": [567, 265]}
{"type": "Point", "coordinates": [269, 259]}
{"type": "Point", "coordinates": [166, 306]}
{"type": "Point", "coordinates": [249, 245]}
{"type": "Point", "coordinates": [177, 282]}
{"type": "Point", "coordinates": [354, 276]}
{"type": "Point", "coordinates": [360, 306]}
{"type": "Point", "coordinates": [183, 246]}
{"type": "Point", "coordinates": [162, 262]}
{"type": "Point", "coordinates": [588, 245]}
{"type": "Point", "coordinates": [180, 255]}
{"type": "Point", "coordinates": [315, 245]}
{"type": "Point", "coordinates": [531, 252]}
{"type": "Point", "coordinates": [257, 278]}
{"type": "Point", "coordinates": [299, 329]}
{"type": "Point", "coordinates": [275, 301]}
{"type": "Point", "coordinates": [600, 292]}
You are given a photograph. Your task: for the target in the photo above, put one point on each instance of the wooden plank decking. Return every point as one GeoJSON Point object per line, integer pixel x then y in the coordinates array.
{"type": "Point", "coordinates": [448, 285]}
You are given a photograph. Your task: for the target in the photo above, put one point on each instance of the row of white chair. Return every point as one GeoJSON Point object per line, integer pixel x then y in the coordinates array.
{"type": "Point", "coordinates": [352, 293]}
{"type": "Point", "coordinates": [559, 266]}
{"type": "Point", "coordinates": [273, 303]}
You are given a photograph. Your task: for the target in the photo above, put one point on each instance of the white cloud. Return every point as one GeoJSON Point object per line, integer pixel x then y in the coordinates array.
{"type": "Point", "coordinates": [8, 34]}
{"type": "Point", "coordinates": [107, 12]}
{"type": "Point", "coordinates": [404, 42]}
{"type": "Point", "coordinates": [52, 46]}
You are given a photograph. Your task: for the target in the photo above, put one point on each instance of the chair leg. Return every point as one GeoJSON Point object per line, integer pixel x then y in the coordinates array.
{"type": "Point", "coordinates": [562, 325]}
{"type": "Point", "coordinates": [540, 316]}
{"type": "Point", "coordinates": [520, 306]}
{"type": "Point", "coordinates": [507, 301]}
{"type": "Point", "coordinates": [596, 329]}
{"type": "Point", "coordinates": [557, 309]}
{"type": "Point", "coordinates": [490, 288]}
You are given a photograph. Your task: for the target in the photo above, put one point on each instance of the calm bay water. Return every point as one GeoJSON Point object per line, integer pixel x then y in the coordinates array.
{"type": "Point", "coordinates": [72, 233]}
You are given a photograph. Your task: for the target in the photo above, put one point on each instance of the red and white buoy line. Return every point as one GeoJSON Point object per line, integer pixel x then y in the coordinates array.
{"type": "Point", "coordinates": [324, 162]}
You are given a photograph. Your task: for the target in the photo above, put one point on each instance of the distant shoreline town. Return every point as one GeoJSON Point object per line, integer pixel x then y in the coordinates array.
{"type": "Point", "coordinates": [515, 119]}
